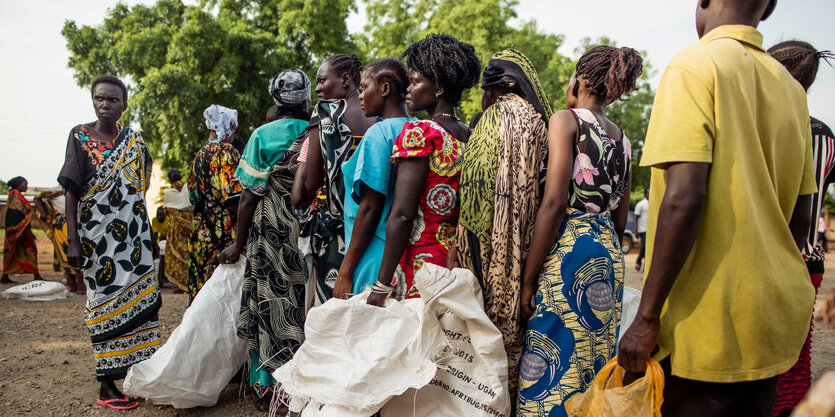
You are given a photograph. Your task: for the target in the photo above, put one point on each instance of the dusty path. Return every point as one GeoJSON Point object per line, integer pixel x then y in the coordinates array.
{"type": "Point", "coordinates": [46, 361]}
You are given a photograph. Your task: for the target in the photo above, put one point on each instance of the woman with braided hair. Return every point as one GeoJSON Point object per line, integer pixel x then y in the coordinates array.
{"type": "Point", "coordinates": [572, 281]}
{"type": "Point", "coordinates": [424, 214]}
{"type": "Point", "coordinates": [335, 130]}
{"type": "Point", "coordinates": [802, 61]}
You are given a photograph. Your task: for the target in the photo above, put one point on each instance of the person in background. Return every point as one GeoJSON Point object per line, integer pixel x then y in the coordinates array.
{"type": "Point", "coordinates": [178, 214]}
{"type": "Point", "coordinates": [213, 191]}
{"type": "Point", "coordinates": [20, 254]}
{"type": "Point", "coordinates": [428, 153]}
{"type": "Point", "coordinates": [272, 305]}
{"type": "Point", "coordinates": [802, 61]}
{"type": "Point", "coordinates": [572, 282]}
{"type": "Point", "coordinates": [823, 242]}
{"type": "Point", "coordinates": [105, 175]}
{"type": "Point", "coordinates": [50, 207]}
{"type": "Point", "coordinates": [641, 213]}
{"type": "Point", "coordinates": [159, 228]}
{"type": "Point", "coordinates": [500, 191]}
{"type": "Point", "coordinates": [726, 301]}
{"type": "Point", "coordinates": [369, 176]}
{"type": "Point", "coordinates": [336, 128]}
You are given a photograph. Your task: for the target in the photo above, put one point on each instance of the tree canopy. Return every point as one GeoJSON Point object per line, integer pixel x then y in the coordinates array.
{"type": "Point", "coordinates": [178, 59]}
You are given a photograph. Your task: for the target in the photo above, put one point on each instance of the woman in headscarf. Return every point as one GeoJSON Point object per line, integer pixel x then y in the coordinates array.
{"type": "Point", "coordinates": [20, 255]}
{"type": "Point", "coordinates": [424, 215]}
{"type": "Point", "coordinates": [213, 191]}
{"type": "Point", "coordinates": [50, 207]}
{"type": "Point", "coordinates": [272, 305]}
{"type": "Point", "coordinates": [572, 281]}
{"type": "Point", "coordinates": [336, 127]}
{"type": "Point", "coordinates": [178, 211]}
{"type": "Point", "coordinates": [500, 191]}
{"type": "Point", "coordinates": [105, 176]}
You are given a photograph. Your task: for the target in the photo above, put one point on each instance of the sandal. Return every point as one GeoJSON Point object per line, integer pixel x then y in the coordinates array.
{"type": "Point", "coordinates": [109, 403]}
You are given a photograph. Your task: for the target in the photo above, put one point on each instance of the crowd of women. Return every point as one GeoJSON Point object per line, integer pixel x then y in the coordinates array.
{"type": "Point", "coordinates": [354, 194]}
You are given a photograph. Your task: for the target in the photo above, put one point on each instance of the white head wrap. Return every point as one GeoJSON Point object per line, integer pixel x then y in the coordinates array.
{"type": "Point", "coordinates": [222, 120]}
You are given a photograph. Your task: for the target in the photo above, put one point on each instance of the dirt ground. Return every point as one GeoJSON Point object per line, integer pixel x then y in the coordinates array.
{"type": "Point", "coordinates": [46, 361]}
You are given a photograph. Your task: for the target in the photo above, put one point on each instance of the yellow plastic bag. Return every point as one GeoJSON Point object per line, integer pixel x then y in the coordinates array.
{"type": "Point", "coordinates": [607, 397]}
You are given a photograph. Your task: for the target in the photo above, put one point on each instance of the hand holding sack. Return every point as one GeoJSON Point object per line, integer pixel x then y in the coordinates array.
{"type": "Point", "coordinates": [607, 397]}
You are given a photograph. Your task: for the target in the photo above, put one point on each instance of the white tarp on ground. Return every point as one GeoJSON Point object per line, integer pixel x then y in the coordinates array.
{"type": "Point", "coordinates": [37, 291]}
{"type": "Point", "coordinates": [203, 352]}
{"type": "Point", "coordinates": [357, 358]}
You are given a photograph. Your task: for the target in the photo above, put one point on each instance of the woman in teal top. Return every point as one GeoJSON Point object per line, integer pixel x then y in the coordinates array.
{"type": "Point", "coordinates": [369, 176]}
{"type": "Point", "coordinates": [272, 304]}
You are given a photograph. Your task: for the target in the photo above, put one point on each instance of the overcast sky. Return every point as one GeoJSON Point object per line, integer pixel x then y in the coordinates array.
{"type": "Point", "coordinates": [40, 102]}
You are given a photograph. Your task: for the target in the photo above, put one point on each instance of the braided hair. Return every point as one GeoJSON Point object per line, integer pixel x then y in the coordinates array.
{"type": "Point", "coordinates": [447, 62]}
{"type": "Point", "coordinates": [801, 59]}
{"type": "Point", "coordinates": [346, 64]}
{"type": "Point", "coordinates": [610, 72]}
{"type": "Point", "coordinates": [391, 70]}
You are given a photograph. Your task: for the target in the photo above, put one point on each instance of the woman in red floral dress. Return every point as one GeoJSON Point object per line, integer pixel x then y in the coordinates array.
{"type": "Point", "coordinates": [424, 216]}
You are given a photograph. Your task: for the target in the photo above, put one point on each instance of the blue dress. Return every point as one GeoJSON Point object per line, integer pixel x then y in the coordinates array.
{"type": "Point", "coordinates": [371, 166]}
{"type": "Point", "coordinates": [573, 331]}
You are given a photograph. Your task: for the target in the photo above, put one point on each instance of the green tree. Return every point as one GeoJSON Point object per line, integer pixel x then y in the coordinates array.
{"type": "Point", "coordinates": [4, 188]}
{"type": "Point", "coordinates": [394, 24]}
{"type": "Point", "coordinates": [178, 59]}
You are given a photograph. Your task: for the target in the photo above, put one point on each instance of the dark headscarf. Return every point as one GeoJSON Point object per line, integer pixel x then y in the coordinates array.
{"type": "Point", "coordinates": [15, 182]}
{"type": "Point", "coordinates": [513, 70]}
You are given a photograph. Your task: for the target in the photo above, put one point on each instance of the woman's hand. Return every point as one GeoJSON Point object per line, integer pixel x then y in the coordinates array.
{"type": "Point", "coordinates": [343, 286]}
{"type": "Point", "coordinates": [74, 253]}
{"type": "Point", "coordinates": [229, 255]}
{"type": "Point", "coordinates": [452, 257]}
{"type": "Point", "coordinates": [377, 299]}
{"type": "Point", "coordinates": [526, 293]}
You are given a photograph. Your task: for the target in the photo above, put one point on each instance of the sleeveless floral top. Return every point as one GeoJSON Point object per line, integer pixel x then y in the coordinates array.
{"type": "Point", "coordinates": [602, 166]}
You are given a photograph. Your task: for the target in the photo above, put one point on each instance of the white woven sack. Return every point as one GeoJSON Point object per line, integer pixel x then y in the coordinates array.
{"type": "Point", "coordinates": [37, 291]}
{"type": "Point", "coordinates": [356, 356]}
{"type": "Point", "coordinates": [472, 375]}
{"type": "Point", "coordinates": [203, 352]}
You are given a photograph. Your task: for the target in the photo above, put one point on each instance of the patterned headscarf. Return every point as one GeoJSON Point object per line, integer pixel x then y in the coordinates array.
{"type": "Point", "coordinates": [222, 120]}
{"type": "Point", "coordinates": [290, 88]}
{"type": "Point", "coordinates": [512, 69]}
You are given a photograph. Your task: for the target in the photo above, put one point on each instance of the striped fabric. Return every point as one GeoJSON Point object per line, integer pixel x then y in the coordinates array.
{"type": "Point", "coordinates": [823, 147]}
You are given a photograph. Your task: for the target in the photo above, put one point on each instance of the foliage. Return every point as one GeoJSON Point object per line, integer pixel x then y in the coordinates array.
{"type": "Point", "coordinates": [179, 59]}
{"type": "Point", "coordinates": [4, 188]}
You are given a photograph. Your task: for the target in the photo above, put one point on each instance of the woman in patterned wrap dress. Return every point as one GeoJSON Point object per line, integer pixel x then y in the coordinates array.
{"type": "Point", "coordinates": [105, 176]}
{"type": "Point", "coordinates": [575, 314]}
{"type": "Point", "coordinates": [500, 190]}
{"type": "Point", "coordinates": [272, 305]}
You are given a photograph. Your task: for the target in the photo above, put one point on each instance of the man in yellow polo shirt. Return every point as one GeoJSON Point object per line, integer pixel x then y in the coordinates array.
{"type": "Point", "coordinates": [726, 295]}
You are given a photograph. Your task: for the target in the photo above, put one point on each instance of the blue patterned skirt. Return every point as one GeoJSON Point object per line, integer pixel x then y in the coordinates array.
{"type": "Point", "coordinates": [573, 332]}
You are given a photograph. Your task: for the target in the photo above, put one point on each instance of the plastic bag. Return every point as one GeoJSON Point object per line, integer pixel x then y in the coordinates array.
{"type": "Point", "coordinates": [472, 376]}
{"type": "Point", "coordinates": [607, 397]}
{"type": "Point", "coordinates": [629, 309]}
{"type": "Point", "coordinates": [37, 291]}
{"type": "Point", "coordinates": [203, 352]}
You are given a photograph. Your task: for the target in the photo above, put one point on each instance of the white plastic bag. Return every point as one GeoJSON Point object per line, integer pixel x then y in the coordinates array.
{"type": "Point", "coordinates": [629, 309]}
{"type": "Point", "coordinates": [472, 375]}
{"type": "Point", "coordinates": [203, 352]}
{"type": "Point", "coordinates": [37, 291]}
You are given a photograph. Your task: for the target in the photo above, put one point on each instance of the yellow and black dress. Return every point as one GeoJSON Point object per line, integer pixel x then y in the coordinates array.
{"type": "Point", "coordinates": [122, 295]}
